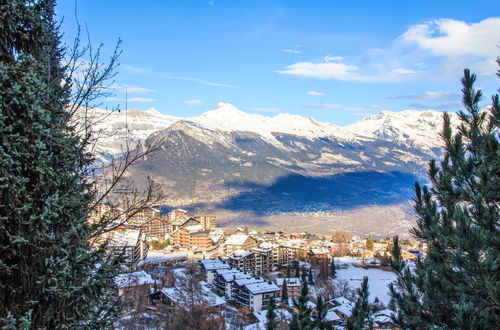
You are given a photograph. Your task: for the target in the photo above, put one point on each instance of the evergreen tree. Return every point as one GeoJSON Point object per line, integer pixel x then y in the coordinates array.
{"type": "Point", "coordinates": [303, 314]}
{"type": "Point", "coordinates": [297, 269]}
{"type": "Point", "coordinates": [304, 275]}
{"type": "Point", "coordinates": [284, 292]}
{"type": "Point", "coordinates": [333, 269]}
{"type": "Point", "coordinates": [361, 310]}
{"type": "Point", "coordinates": [319, 314]}
{"type": "Point", "coordinates": [310, 279]}
{"type": "Point", "coordinates": [288, 273]}
{"type": "Point", "coordinates": [271, 315]}
{"type": "Point", "coordinates": [49, 275]}
{"type": "Point", "coordinates": [456, 284]}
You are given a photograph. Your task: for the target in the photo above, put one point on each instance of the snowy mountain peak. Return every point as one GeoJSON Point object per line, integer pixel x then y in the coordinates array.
{"type": "Point", "coordinates": [153, 111]}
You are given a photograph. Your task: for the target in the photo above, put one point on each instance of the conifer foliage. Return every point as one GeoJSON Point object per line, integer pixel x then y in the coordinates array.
{"type": "Point", "coordinates": [50, 278]}
{"type": "Point", "coordinates": [456, 284]}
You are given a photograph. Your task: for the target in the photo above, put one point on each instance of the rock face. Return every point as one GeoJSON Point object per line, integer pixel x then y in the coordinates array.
{"type": "Point", "coordinates": [285, 163]}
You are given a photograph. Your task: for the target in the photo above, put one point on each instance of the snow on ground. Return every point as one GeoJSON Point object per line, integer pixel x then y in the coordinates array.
{"type": "Point", "coordinates": [378, 280]}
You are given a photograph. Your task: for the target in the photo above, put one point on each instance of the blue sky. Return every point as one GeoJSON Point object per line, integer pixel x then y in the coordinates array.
{"type": "Point", "coordinates": [333, 60]}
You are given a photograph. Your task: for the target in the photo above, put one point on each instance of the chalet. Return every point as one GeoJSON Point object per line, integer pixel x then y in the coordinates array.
{"type": "Point", "coordinates": [240, 242]}
{"type": "Point", "coordinates": [316, 256]}
{"type": "Point", "coordinates": [175, 297]}
{"type": "Point", "coordinates": [133, 288]}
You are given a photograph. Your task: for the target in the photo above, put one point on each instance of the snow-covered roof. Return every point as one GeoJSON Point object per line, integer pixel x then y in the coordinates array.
{"type": "Point", "coordinates": [331, 316]}
{"type": "Point", "coordinates": [244, 281]}
{"type": "Point", "coordinates": [239, 254]}
{"type": "Point", "coordinates": [128, 237]}
{"type": "Point", "coordinates": [261, 287]}
{"type": "Point", "coordinates": [340, 301]}
{"type": "Point", "coordinates": [281, 313]}
{"type": "Point", "coordinates": [309, 303]}
{"type": "Point", "coordinates": [132, 279]}
{"type": "Point", "coordinates": [214, 264]}
{"type": "Point", "coordinates": [237, 239]}
{"type": "Point", "coordinates": [205, 296]}
{"type": "Point", "coordinates": [383, 316]}
{"type": "Point", "coordinates": [290, 281]}
{"type": "Point", "coordinates": [345, 309]}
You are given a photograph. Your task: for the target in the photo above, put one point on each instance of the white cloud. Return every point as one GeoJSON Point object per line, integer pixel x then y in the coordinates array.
{"type": "Point", "coordinates": [404, 71]}
{"type": "Point", "coordinates": [325, 70]}
{"type": "Point", "coordinates": [264, 109]}
{"type": "Point", "coordinates": [329, 58]}
{"type": "Point", "coordinates": [193, 102]}
{"type": "Point", "coordinates": [134, 69]}
{"type": "Point", "coordinates": [292, 51]}
{"type": "Point", "coordinates": [198, 80]}
{"type": "Point", "coordinates": [321, 105]}
{"type": "Point", "coordinates": [454, 38]}
{"type": "Point", "coordinates": [134, 89]}
{"type": "Point", "coordinates": [314, 93]}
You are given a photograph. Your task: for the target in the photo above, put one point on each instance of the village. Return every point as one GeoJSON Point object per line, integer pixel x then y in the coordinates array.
{"type": "Point", "coordinates": [176, 265]}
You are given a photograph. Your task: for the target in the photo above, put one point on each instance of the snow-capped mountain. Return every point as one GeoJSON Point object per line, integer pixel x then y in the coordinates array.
{"type": "Point", "coordinates": [286, 162]}
{"type": "Point", "coordinates": [412, 128]}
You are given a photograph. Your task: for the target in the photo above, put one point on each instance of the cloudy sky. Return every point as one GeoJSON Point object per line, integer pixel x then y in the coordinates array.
{"type": "Point", "coordinates": [333, 60]}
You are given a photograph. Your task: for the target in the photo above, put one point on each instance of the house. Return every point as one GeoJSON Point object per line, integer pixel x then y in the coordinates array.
{"type": "Point", "coordinates": [240, 242]}
{"type": "Point", "coordinates": [315, 256]}
{"type": "Point", "coordinates": [133, 288]}
{"type": "Point", "coordinates": [260, 319]}
{"type": "Point", "coordinates": [293, 285]}
{"type": "Point", "coordinates": [130, 244]}
{"type": "Point", "coordinates": [344, 311]}
{"type": "Point", "coordinates": [176, 297]}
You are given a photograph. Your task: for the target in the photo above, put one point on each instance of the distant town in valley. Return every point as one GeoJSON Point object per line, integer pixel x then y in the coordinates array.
{"type": "Point", "coordinates": [240, 269]}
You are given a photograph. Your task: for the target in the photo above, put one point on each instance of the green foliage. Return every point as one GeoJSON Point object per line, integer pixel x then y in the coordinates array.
{"type": "Point", "coordinates": [297, 269]}
{"type": "Point", "coordinates": [456, 284]}
{"type": "Point", "coordinates": [333, 269]}
{"type": "Point", "coordinates": [361, 310]}
{"type": "Point", "coordinates": [50, 277]}
{"type": "Point", "coordinates": [318, 316]}
{"type": "Point", "coordinates": [271, 315]}
{"type": "Point", "coordinates": [369, 243]}
{"type": "Point", "coordinates": [303, 314]}
{"type": "Point", "coordinates": [310, 279]}
{"type": "Point", "coordinates": [284, 292]}
{"type": "Point", "coordinates": [156, 245]}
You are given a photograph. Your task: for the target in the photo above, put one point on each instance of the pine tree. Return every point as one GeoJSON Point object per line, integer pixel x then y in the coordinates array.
{"type": "Point", "coordinates": [310, 279]}
{"type": "Point", "coordinates": [288, 273]}
{"type": "Point", "coordinates": [271, 315]}
{"type": "Point", "coordinates": [297, 269]}
{"type": "Point", "coordinates": [361, 310]}
{"type": "Point", "coordinates": [333, 269]}
{"type": "Point", "coordinates": [319, 314]}
{"type": "Point", "coordinates": [284, 292]}
{"type": "Point", "coordinates": [456, 284]}
{"type": "Point", "coordinates": [49, 275]}
{"type": "Point", "coordinates": [303, 314]}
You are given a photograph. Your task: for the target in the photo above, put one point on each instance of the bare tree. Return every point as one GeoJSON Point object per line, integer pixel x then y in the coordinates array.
{"type": "Point", "coordinates": [91, 80]}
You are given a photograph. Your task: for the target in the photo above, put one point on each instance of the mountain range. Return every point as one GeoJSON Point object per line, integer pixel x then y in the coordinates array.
{"type": "Point", "coordinates": [231, 160]}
